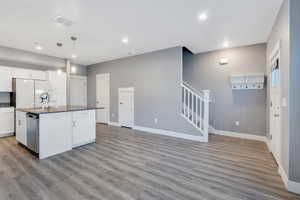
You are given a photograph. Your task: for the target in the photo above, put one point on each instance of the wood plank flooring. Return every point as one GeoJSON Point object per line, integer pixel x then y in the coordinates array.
{"type": "Point", "coordinates": [131, 165]}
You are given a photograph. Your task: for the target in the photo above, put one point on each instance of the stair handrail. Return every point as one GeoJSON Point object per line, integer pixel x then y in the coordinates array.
{"type": "Point", "coordinates": [201, 93]}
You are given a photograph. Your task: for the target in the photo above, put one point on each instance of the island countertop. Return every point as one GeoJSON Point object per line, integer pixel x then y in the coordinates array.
{"type": "Point", "coordinates": [39, 111]}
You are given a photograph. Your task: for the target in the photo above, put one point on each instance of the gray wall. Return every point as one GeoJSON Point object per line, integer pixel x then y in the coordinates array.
{"type": "Point", "coordinates": [294, 171]}
{"type": "Point", "coordinates": [80, 70]}
{"type": "Point", "coordinates": [281, 31]}
{"type": "Point", "coordinates": [156, 78]}
{"type": "Point", "coordinates": [22, 59]}
{"type": "Point", "coordinates": [203, 71]}
{"type": "Point", "coordinates": [29, 58]}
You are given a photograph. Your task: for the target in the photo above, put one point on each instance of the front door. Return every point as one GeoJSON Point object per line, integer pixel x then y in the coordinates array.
{"type": "Point", "coordinates": [126, 107]}
{"type": "Point", "coordinates": [275, 105]}
{"type": "Point", "coordinates": [102, 98]}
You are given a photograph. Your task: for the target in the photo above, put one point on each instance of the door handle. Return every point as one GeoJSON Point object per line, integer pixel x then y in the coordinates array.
{"type": "Point", "coordinates": [121, 103]}
{"type": "Point", "coordinates": [276, 115]}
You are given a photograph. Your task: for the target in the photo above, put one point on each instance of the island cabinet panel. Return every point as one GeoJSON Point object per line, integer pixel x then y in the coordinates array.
{"type": "Point", "coordinates": [6, 121]}
{"type": "Point", "coordinates": [55, 134]}
{"type": "Point", "coordinates": [84, 127]}
{"type": "Point", "coordinates": [21, 127]}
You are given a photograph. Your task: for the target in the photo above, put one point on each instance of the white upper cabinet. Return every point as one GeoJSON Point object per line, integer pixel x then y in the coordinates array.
{"type": "Point", "coordinates": [8, 73]}
{"type": "Point", "coordinates": [28, 74]}
{"type": "Point", "coordinates": [5, 79]}
{"type": "Point", "coordinates": [38, 75]}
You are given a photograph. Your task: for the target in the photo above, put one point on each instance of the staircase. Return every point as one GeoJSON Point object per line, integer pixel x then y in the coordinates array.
{"type": "Point", "coordinates": [195, 108]}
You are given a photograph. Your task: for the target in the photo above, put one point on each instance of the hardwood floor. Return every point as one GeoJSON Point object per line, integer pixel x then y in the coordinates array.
{"type": "Point", "coordinates": [125, 164]}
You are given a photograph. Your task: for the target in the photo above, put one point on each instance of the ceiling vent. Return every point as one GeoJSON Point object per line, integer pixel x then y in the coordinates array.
{"type": "Point", "coordinates": [63, 20]}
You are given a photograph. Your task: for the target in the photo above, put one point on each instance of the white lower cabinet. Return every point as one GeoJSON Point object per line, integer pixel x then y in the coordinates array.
{"type": "Point", "coordinates": [55, 134]}
{"type": "Point", "coordinates": [6, 121]}
{"type": "Point", "coordinates": [60, 132]}
{"type": "Point", "coordinates": [84, 127]}
{"type": "Point", "coordinates": [21, 127]}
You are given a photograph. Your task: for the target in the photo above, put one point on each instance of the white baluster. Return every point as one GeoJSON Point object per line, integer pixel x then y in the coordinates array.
{"type": "Point", "coordinates": [196, 111]}
{"type": "Point", "coordinates": [188, 104]}
{"type": "Point", "coordinates": [184, 95]}
{"type": "Point", "coordinates": [206, 113]}
{"type": "Point", "coordinates": [200, 114]}
{"type": "Point", "coordinates": [193, 114]}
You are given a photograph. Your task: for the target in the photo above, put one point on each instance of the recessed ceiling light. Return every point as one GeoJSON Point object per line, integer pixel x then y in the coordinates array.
{"type": "Point", "coordinates": [125, 40]}
{"type": "Point", "coordinates": [39, 47]}
{"type": "Point", "coordinates": [202, 17]}
{"type": "Point", "coordinates": [73, 69]}
{"type": "Point", "coordinates": [74, 56]}
{"type": "Point", "coordinates": [59, 71]}
{"type": "Point", "coordinates": [226, 44]}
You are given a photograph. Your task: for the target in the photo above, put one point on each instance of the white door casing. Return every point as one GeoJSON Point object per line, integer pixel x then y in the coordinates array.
{"type": "Point", "coordinates": [275, 104]}
{"type": "Point", "coordinates": [78, 90]}
{"type": "Point", "coordinates": [126, 107]}
{"type": "Point", "coordinates": [103, 97]}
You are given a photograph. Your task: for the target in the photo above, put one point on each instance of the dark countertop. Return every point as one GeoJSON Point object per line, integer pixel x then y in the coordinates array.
{"type": "Point", "coordinates": [5, 105]}
{"type": "Point", "coordinates": [38, 111]}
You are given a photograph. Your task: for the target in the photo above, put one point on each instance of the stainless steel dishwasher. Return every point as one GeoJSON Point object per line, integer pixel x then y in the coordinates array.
{"type": "Point", "coordinates": [33, 132]}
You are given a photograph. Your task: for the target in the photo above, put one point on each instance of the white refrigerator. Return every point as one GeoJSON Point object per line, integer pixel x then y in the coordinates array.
{"type": "Point", "coordinates": [26, 93]}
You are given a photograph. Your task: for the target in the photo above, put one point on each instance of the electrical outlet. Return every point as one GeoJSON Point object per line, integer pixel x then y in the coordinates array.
{"type": "Point", "coordinates": [155, 120]}
{"type": "Point", "coordinates": [237, 123]}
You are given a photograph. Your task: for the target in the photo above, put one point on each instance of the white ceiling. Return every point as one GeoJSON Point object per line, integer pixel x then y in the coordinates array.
{"type": "Point", "coordinates": [149, 24]}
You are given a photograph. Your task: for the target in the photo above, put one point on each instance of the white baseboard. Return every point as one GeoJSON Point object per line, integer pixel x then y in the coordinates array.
{"type": "Point", "coordinates": [283, 175]}
{"type": "Point", "coordinates": [171, 134]}
{"type": "Point", "coordinates": [291, 186]}
{"type": "Point", "coordinates": [6, 134]}
{"type": "Point", "coordinates": [238, 135]}
{"type": "Point", "coordinates": [113, 123]}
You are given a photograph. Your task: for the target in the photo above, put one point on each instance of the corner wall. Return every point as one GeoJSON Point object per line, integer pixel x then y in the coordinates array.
{"type": "Point", "coordinates": [294, 168]}
{"type": "Point", "coordinates": [203, 71]}
{"type": "Point", "coordinates": [281, 32]}
{"type": "Point", "coordinates": [156, 78]}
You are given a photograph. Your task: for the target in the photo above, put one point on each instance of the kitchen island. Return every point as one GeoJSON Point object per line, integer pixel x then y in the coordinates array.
{"type": "Point", "coordinates": [54, 130]}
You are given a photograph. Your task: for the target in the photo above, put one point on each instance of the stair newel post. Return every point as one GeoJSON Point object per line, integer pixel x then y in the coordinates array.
{"type": "Point", "coordinates": [206, 113]}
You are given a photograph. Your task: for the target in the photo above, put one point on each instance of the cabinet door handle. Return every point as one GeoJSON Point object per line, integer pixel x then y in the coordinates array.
{"type": "Point", "coordinates": [74, 124]}
{"type": "Point", "coordinates": [19, 122]}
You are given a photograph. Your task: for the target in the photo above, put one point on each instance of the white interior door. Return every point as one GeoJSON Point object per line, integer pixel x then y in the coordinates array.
{"type": "Point", "coordinates": [126, 107]}
{"type": "Point", "coordinates": [78, 91]}
{"type": "Point", "coordinates": [275, 107]}
{"type": "Point", "coordinates": [102, 97]}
